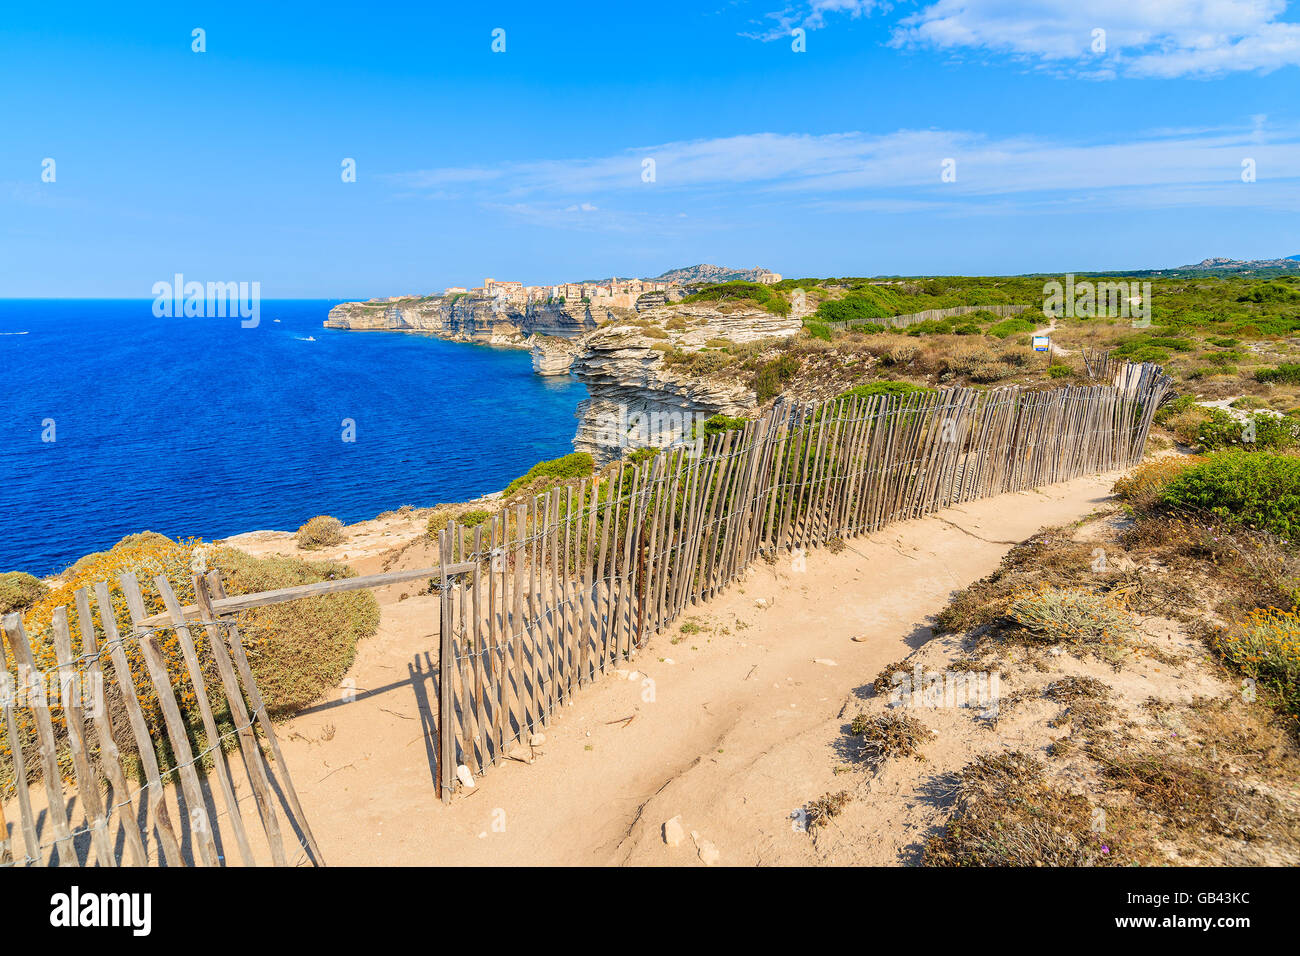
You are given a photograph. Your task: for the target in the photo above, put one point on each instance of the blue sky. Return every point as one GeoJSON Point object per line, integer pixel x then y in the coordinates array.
{"type": "Point", "coordinates": [225, 165]}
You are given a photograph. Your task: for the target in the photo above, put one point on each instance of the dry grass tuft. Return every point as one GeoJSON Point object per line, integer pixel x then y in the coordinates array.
{"type": "Point", "coordinates": [1071, 615]}
{"type": "Point", "coordinates": [1007, 815]}
{"type": "Point", "coordinates": [1088, 702]}
{"type": "Point", "coordinates": [890, 735]}
{"type": "Point", "coordinates": [828, 805]}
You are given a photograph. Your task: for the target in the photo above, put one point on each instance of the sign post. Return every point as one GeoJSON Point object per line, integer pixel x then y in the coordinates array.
{"type": "Point", "coordinates": [1043, 343]}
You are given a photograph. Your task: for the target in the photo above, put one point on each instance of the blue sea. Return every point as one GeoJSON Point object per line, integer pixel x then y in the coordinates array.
{"type": "Point", "coordinates": [198, 427]}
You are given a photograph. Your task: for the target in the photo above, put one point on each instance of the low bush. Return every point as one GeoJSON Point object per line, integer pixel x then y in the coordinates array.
{"type": "Point", "coordinates": [1288, 373]}
{"type": "Point", "coordinates": [818, 330]}
{"type": "Point", "coordinates": [987, 372]}
{"type": "Point", "coordinates": [297, 650]}
{"type": "Point", "coordinates": [1265, 646]}
{"type": "Point", "coordinates": [771, 378]}
{"type": "Point", "coordinates": [1142, 489]}
{"type": "Point", "coordinates": [717, 424]}
{"type": "Point", "coordinates": [320, 532]}
{"type": "Point", "coordinates": [1073, 615]}
{"type": "Point", "coordinates": [871, 389]}
{"type": "Point", "coordinates": [1009, 327]}
{"type": "Point", "coordinates": [1250, 490]}
{"type": "Point", "coordinates": [756, 292]}
{"type": "Point", "coordinates": [19, 590]}
{"type": "Point", "coordinates": [890, 735]}
{"type": "Point", "coordinates": [1259, 432]}
{"type": "Point", "coordinates": [852, 308]}
{"type": "Point", "coordinates": [579, 464]}
{"type": "Point", "coordinates": [1006, 814]}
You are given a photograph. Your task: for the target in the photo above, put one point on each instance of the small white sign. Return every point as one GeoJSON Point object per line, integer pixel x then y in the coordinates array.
{"type": "Point", "coordinates": [1042, 343]}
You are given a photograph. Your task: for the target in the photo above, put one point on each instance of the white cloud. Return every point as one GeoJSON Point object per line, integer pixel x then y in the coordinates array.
{"type": "Point", "coordinates": [836, 162]}
{"type": "Point", "coordinates": [1146, 38]}
{"type": "Point", "coordinates": [897, 173]}
{"type": "Point", "coordinates": [812, 16]}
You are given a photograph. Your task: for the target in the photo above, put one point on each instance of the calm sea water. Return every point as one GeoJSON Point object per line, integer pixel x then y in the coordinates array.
{"type": "Point", "coordinates": [200, 427]}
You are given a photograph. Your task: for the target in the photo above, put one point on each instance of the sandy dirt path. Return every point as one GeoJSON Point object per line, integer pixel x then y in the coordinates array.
{"type": "Point", "coordinates": [744, 724]}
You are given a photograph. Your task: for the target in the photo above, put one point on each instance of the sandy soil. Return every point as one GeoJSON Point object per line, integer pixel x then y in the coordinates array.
{"type": "Point", "coordinates": [731, 728]}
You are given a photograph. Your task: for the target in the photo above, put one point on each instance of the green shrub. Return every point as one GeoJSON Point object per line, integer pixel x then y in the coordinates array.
{"type": "Point", "coordinates": [1258, 432]}
{"type": "Point", "coordinates": [818, 330]}
{"type": "Point", "coordinates": [472, 519]}
{"type": "Point", "coordinates": [320, 532]}
{"type": "Point", "coordinates": [1288, 373]}
{"type": "Point", "coordinates": [579, 464]}
{"type": "Point", "coordinates": [1270, 292]}
{"type": "Point", "coordinates": [717, 424]}
{"type": "Point", "coordinates": [773, 302]}
{"type": "Point", "coordinates": [772, 377]}
{"type": "Point", "coordinates": [883, 388]}
{"type": "Point", "coordinates": [1143, 353]}
{"type": "Point", "coordinates": [1009, 327]}
{"type": "Point", "coordinates": [1265, 646]}
{"type": "Point", "coordinates": [1176, 406]}
{"type": "Point", "coordinates": [853, 308]}
{"type": "Point", "coordinates": [20, 590]}
{"type": "Point", "coordinates": [1259, 491]}
{"type": "Point", "coordinates": [1059, 371]}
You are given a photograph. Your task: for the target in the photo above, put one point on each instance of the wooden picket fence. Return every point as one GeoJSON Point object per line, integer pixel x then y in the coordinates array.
{"type": "Point", "coordinates": [114, 818]}
{"type": "Point", "coordinates": [913, 318]}
{"type": "Point", "coordinates": [544, 597]}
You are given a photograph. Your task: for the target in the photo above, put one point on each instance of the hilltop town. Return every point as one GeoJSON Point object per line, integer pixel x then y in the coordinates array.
{"type": "Point", "coordinates": [613, 292]}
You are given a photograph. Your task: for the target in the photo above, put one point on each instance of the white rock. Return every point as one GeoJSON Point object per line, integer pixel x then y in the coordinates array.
{"type": "Point", "coordinates": [465, 777]}
{"type": "Point", "coordinates": [536, 740]}
{"type": "Point", "coordinates": [761, 602]}
{"type": "Point", "coordinates": [674, 834]}
{"type": "Point", "coordinates": [634, 675]}
{"type": "Point", "coordinates": [708, 852]}
{"type": "Point", "coordinates": [825, 660]}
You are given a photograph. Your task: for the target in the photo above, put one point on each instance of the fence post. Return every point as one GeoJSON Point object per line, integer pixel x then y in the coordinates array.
{"type": "Point", "coordinates": [446, 663]}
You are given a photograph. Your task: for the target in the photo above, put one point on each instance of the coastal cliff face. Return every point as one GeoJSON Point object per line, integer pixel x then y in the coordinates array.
{"type": "Point", "coordinates": [470, 318]}
{"type": "Point", "coordinates": [640, 395]}
{"type": "Point", "coordinates": [553, 355]}
{"type": "Point", "coordinates": [638, 398]}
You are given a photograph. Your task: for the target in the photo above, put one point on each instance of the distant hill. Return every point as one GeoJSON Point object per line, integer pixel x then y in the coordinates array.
{"type": "Point", "coordinates": [1224, 264]}
{"type": "Point", "coordinates": [706, 273]}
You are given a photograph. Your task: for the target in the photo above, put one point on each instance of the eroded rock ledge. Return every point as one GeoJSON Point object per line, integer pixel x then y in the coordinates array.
{"type": "Point", "coordinates": [470, 318]}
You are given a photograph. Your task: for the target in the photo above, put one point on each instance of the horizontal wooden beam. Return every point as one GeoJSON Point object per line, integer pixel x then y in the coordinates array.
{"type": "Point", "coordinates": [242, 602]}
